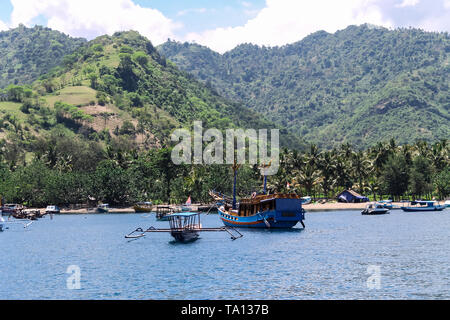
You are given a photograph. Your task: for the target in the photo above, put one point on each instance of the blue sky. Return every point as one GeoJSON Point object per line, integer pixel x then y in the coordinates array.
{"type": "Point", "coordinates": [222, 24]}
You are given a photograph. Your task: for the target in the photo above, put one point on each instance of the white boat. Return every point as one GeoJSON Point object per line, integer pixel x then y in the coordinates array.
{"type": "Point", "coordinates": [305, 200]}
{"type": "Point", "coordinates": [2, 223]}
{"type": "Point", "coordinates": [52, 210]}
{"type": "Point", "coordinates": [375, 209]}
{"type": "Point", "coordinates": [447, 204]}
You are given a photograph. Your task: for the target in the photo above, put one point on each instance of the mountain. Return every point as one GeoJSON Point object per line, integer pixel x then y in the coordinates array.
{"type": "Point", "coordinates": [360, 85]}
{"type": "Point", "coordinates": [27, 53]}
{"type": "Point", "coordinates": [114, 92]}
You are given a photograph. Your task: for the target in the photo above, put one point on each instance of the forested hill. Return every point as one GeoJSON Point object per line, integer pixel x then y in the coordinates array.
{"type": "Point", "coordinates": [116, 94]}
{"type": "Point", "coordinates": [360, 85]}
{"type": "Point", "coordinates": [27, 53]}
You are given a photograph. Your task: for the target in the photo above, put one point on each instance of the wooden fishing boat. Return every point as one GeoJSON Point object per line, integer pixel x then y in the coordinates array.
{"type": "Point", "coordinates": [163, 212]}
{"type": "Point", "coordinates": [264, 211]}
{"type": "Point", "coordinates": [184, 227]}
{"type": "Point", "coordinates": [260, 211]}
{"type": "Point", "coordinates": [375, 209]}
{"type": "Point", "coordinates": [143, 207]}
{"type": "Point", "coordinates": [11, 209]}
{"type": "Point", "coordinates": [419, 206]}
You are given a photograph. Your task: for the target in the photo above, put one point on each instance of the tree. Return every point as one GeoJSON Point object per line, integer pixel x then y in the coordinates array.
{"type": "Point", "coordinates": [421, 177]}
{"type": "Point", "coordinates": [395, 176]}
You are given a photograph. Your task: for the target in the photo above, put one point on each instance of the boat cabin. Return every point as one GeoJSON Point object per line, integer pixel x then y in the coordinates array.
{"type": "Point", "coordinates": [263, 203]}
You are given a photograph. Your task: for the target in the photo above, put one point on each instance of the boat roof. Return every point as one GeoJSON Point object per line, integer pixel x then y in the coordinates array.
{"type": "Point", "coordinates": [184, 214]}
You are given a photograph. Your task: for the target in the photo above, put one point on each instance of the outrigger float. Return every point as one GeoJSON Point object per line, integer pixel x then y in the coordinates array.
{"type": "Point", "coordinates": [4, 224]}
{"type": "Point", "coordinates": [184, 227]}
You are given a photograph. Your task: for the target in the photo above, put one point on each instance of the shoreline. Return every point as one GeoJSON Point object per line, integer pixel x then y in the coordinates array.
{"type": "Point", "coordinates": [312, 207]}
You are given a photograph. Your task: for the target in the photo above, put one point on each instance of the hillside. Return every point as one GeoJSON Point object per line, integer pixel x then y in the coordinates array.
{"type": "Point", "coordinates": [27, 53]}
{"type": "Point", "coordinates": [360, 85]}
{"type": "Point", "coordinates": [113, 93]}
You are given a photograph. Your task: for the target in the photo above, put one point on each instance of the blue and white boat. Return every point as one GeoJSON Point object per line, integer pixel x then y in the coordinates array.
{"type": "Point", "coordinates": [264, 211]}
{"type": "Point", "coordinates": [447, 204]}
{"type": "Point", "coordinates": [418, 206]}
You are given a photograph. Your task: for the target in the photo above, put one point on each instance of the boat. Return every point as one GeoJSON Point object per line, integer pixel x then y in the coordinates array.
{"type": "Point", "coordinates": [420, 205]}
{"type": "Point", "coordinates": [163, 212]}
{"type": "Point", "coordinates": [447, 204]}
{"type": "Point", "coordinates": [184, 227]}
{"type": "Point", "coordinates": [52, 210]}
{"type": "Point", "coordinates": [306, 200]}
{"type": "Point", "coordinates": [2, 224]}
{"type": "Point", "coordinates": [143, 207]}
{"type": "Point", "coordinates": [186, 207]}
{"type": "Point", "coordinates": [263, 210]}
{"type": "Point", "coordinates": [11, 209]}
{"type": "Point", "coordinates": [375, 209]}
{"type": "Point", "coordinates": [103, 208]}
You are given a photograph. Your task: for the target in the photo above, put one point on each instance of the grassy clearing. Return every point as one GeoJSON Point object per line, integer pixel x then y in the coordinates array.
{"type": "Point", "coordinates": [78, 95]}
{"type": "Point", "coordinates": [12, 108]}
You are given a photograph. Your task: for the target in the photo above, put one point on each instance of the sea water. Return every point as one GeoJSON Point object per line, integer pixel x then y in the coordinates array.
{"type": "Point", "coordinates": [340, 255]}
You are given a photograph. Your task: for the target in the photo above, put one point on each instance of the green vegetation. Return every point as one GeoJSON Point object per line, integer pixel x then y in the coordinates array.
{"type": "Point", "coordinates": [27, 53]}
{"type": "Point", "coordinates": [360, 85]}
{"type": "Point", "coordinates": [67, 170]}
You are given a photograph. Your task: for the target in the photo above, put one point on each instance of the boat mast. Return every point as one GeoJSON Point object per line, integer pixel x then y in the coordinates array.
{"type": "Point", "coordinates": [263, 166]}
{"type": "Point", "coordinates": [235, 169]}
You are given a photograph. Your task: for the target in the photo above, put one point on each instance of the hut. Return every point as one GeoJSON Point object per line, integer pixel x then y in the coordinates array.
{"type": "Point", "coordinates": [351, 196]}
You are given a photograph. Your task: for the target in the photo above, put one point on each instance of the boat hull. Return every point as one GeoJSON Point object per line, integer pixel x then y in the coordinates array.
{"type": "Point", "coordinates": [374, 212]}
{"type": "Point", "coordinates": [277, 219]}
{"type": "Point", "coordinates": [412, 209]}
{"type": "Point", "coordinates": [185, 235]}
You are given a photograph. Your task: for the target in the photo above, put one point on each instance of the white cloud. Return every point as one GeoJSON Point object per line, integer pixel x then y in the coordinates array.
{"type": "Point", "coordinates": [91, 18]}
{"type": "Point", "coordinates": [3, 26]}
{"type": "Point", "coordinates": [408, 3]}
{"type": "Point", "coordinates": [287, 21]}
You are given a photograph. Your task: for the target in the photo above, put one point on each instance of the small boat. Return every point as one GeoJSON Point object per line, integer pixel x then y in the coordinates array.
{"type": "Point", "coordinates": [184, 227]}
{"type": "Point", "coordinates": [447, 204]}
{"type": "Point", "coordinates": [143, 207]}
{"type": "Point", "coordinates": [52, 210]}
{"type": "Point", "coordinates": [306, 200]}
{"type": "Point", "coordinates": [2, 224]}
{"type": "Point", "coordinates": [418, 206]}
{"type": "Point", "coordinates": [375, 209]}
{"type": "Point", "coordinates": [103, 208]}
{"type": "Point", "coordinates": [187, 206]}
{"type": "Point", "coordinates": [11, 209]}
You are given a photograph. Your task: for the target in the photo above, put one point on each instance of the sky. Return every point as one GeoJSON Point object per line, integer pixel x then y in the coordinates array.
{"type": "Point", "coordinates": [222, 24]}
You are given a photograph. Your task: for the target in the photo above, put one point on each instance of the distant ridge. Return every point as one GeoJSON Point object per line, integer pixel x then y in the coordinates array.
{"type": "Point", "coordinates": [359, 85]}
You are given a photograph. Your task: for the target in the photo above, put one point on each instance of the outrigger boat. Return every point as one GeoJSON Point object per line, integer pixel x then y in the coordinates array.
{"type": "Point", "coordinates": [261, 211]}
{"type": "Point", "coordinates": [4, 224]}
{"type": "Point", "coordinates": [418, 206]}
{"type": "Point", "coordinates": [184, 227]}
{"type": "Point", "coordinates": [143, 207]}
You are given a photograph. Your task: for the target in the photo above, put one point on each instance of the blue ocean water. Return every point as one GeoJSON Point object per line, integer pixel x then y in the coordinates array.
{"type": "Point", "coordinates": [330, 259]}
